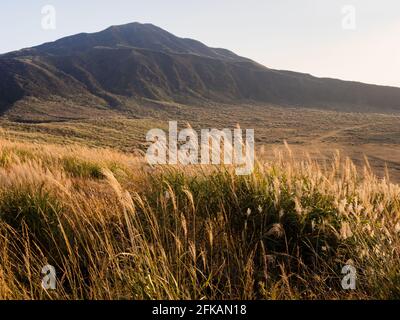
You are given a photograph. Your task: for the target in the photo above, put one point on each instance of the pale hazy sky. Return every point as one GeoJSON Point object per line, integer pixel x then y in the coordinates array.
{"type": "Point", "coordinates": [298, 35]}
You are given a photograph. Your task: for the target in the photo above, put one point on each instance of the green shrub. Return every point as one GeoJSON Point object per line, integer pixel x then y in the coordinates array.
{"type": "Point", "coordinates": [37, 210]}
{"type": "Point", "coordinates": [82, 169]}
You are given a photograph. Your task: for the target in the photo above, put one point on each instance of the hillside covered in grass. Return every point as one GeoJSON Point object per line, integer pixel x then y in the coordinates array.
{"type": "Point", "coordinates": [122, 68]}
{"type": "Point", "coordinates": [115, 228]}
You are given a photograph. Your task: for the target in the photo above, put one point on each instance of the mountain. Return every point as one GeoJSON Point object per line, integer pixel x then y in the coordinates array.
{"type": "Point", "coordinates": [136, 62]}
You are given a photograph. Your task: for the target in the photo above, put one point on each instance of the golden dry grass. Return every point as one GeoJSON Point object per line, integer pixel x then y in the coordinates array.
{"type": "Point", "coordinates": [115, 228]}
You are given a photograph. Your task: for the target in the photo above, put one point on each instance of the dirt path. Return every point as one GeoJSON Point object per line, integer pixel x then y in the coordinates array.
{"type": "Point", "coordinates": [334, 133]}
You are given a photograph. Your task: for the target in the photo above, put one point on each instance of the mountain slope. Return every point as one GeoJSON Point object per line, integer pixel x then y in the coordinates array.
{"type": "Point", "coordinates": [136, 61]}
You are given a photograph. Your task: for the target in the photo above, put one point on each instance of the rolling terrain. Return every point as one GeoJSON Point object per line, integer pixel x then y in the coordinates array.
{"type": "Point", "coordinates": [308, 131]}
{"type": "Point", "coordinates": [126, 65]}
{"type": "Point", "coordinates": [107, 89]}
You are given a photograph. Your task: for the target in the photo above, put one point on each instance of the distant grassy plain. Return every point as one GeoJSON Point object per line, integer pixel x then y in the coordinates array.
{"type": "Point", "coordinates": [315, 132]}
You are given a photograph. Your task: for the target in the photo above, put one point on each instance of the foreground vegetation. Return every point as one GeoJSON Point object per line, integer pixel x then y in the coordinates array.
{"type": "Point", "coordinates": [115, 228]}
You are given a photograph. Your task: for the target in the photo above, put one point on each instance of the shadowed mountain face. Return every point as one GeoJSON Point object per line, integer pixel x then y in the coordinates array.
{"type": "Point", "coordinates": [136, 61]}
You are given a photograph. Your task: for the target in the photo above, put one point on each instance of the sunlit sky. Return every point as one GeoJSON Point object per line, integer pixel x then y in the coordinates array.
{"type": "Point", "coordinates": [299, 35]}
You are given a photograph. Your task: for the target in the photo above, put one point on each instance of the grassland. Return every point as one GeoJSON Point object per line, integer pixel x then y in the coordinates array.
{"type": "Point", "coordinates": [116, 228]}
{"type": "Point", "coordinates": [75, 193]}
{"type": "Point", "coordinates": [316, 132]}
